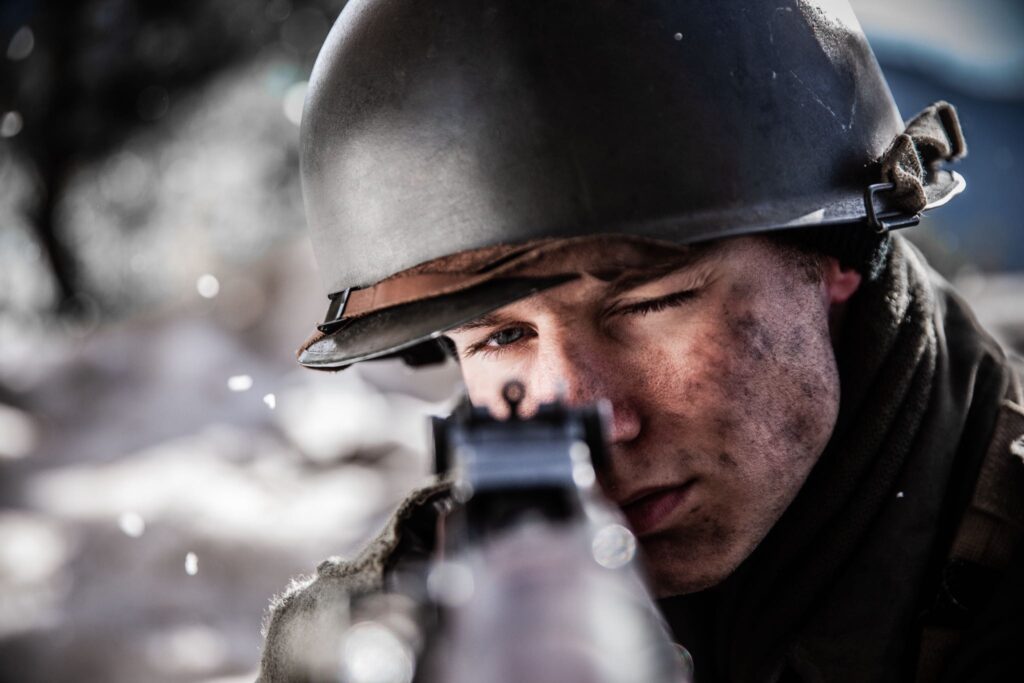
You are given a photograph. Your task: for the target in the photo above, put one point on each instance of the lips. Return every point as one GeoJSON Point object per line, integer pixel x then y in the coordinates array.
{"type": "Point", "coordinates": [648, 509]}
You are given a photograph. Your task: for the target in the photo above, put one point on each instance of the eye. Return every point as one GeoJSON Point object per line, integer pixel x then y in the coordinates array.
{"type": "Point", "coordinates": [499, 341]}
{"type": "Point", "coordinates": [658, 304]}
{"type": "Point", "coordinates": [506, 336]}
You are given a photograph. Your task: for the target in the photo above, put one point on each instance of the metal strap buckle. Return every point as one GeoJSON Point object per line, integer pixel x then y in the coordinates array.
{"type": "Point", "coordinates": [335, 317]}
{"type": "Point", "coordinates": [884, 225]}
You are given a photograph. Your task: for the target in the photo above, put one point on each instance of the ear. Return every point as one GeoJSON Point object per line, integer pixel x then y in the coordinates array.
{"type": "Point", "coordinates": [840, 282]}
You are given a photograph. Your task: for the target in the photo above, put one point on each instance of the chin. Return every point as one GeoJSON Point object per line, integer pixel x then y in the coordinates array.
{"type": "Point", "coordinates": [702, 568]}
{"type": "Point", "coordinates": [669, 584]}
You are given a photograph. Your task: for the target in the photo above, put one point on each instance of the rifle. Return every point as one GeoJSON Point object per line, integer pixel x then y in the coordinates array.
{"type": "Point", "coordinates": [539, 580]}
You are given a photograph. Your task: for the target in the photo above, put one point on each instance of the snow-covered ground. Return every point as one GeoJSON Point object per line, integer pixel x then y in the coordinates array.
{"type": "Point", "coordinates": [165, 466]}
{"type": "Point", "coordinates": [148, 510]}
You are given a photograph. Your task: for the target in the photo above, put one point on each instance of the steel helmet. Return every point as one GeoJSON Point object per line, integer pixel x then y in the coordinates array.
{"type": "Point", "coordinates": [499, 129]}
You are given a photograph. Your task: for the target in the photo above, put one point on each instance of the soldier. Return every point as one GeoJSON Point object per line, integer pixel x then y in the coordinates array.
{"type": "Point", "coordinates": [685, 209]}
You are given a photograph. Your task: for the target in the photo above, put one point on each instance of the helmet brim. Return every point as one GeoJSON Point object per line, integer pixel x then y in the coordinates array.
{"type": "Point", "coordinates": [399, 330]}
{"type": "Point", "coordinates": [410, 331]}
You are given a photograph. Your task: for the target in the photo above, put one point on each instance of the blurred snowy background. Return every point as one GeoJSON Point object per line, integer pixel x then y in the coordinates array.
{"type": "Point", "coordinates": [165, 467]}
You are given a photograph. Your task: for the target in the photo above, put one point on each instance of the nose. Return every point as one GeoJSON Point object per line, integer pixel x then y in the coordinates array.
{"type": "Point", "coordinates": [579, 372]}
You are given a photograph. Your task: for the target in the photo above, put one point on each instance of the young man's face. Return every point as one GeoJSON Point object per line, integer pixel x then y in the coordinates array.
{"type": "Point", "coordinates": [721, 375]}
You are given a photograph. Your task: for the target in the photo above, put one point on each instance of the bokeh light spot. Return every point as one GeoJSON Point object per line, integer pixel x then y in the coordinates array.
{"type": "Point", "coordinates": [278, 10]}
{"type": "Point", "coordinates": [132, 524]}
{"type": "Point", "coordinates": [372, 653]}
{"type": "Point", "coordinates": [450, 584]}
{"type": "Point", "coordinates": [583, 475]}
{"type": "Point", "coordinates": [11, 124]}
{"type": "Point", "coordinates": [21, 45]}
{"type": "Point", "coordinates": [153, 103]}
{"type": "Point", "coordinates": [614, 546]}
{"type": "Point", "coordinates": [240, 383]}
{"type": "Point", "coordinates": [18, 433]}
{"type": "Point", "coordinates": [208, 286]}
{"type": "Point", "coordinates": [294, 98]}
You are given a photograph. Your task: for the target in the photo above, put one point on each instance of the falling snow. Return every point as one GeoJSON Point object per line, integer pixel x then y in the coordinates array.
{"type": "Point", "coordinates": [270, 400]}
{"type": "Point", "coordinates": [240, 383]}
{"type": "Point", "coordinates": [191, 564]}
{"type": "Point", "coordinates": [1017, 447]}
{"type": "Point", "coordinates": [132, 524]}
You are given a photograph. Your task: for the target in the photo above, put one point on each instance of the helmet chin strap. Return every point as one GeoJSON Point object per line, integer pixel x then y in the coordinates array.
{"type": "Point", "coordinates": [931, 137]}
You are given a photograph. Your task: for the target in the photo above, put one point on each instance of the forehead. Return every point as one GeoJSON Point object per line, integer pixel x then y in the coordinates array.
{"type": "Point", "coordinates": [609, 269]}
{"type": "Point", "coordinates": [604, 257]}
{"type": "Point", "coordinates": [620, 268]}
{"type": "Point", "coordinates": [627, 263]}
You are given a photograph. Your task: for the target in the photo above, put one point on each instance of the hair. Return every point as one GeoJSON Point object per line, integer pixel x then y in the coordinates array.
{"type": "Point", "coordinates": [854, 246]}
{"type": "Point", "coordinates": [811, 261]}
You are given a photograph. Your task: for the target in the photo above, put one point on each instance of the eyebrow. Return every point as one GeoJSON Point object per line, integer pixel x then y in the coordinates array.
{"type": "Point", "coordinates": [485, 320]}
{"type": "Point", "coordinates": [624, 279]}
{"type": "Point", "coordinates": [618, 283]}
{"type": "Point", "coordinates": [624, 283]}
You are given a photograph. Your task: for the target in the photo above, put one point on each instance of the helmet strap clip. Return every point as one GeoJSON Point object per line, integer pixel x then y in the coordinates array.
{"type": "Point", "coordinates": [883, 225]}
{"type": "Point", "coordinates": [335, 317]}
